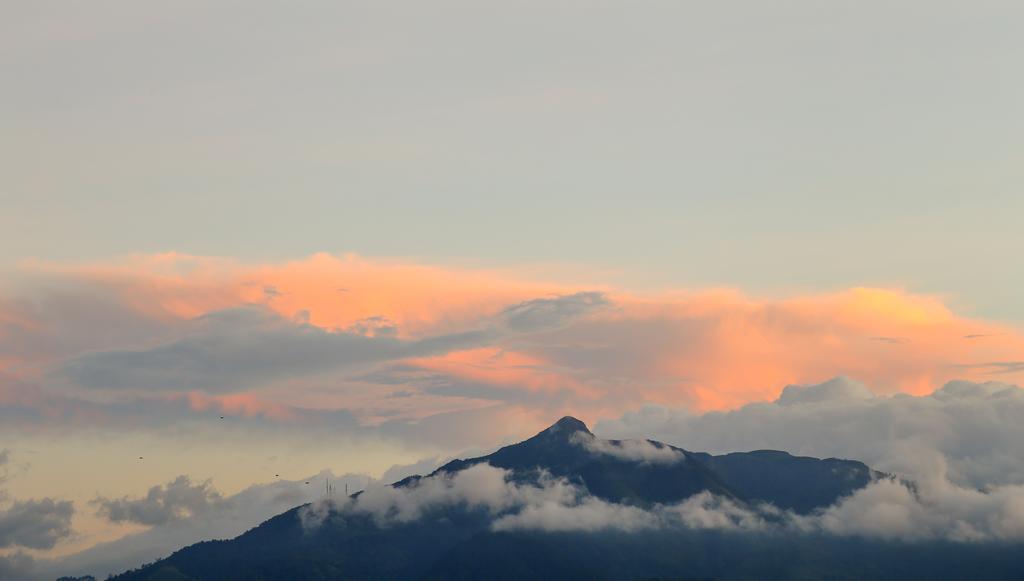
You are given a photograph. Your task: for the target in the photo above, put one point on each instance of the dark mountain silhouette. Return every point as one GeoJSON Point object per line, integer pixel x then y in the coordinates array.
{"type": "Point", "coordinates": [789, 482]}
{"type": "Point", "coordinates": [457, 542]}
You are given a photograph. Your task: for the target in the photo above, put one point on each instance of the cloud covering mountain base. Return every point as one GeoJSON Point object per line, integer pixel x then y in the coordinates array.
{"type": "Point", "coordinates": [481, 523]}
{"type": "Point", "coordinates": [886, 509]}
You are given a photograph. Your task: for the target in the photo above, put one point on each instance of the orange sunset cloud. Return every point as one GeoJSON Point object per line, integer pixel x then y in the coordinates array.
{"type": "Point", "coordinates": [708, 350]}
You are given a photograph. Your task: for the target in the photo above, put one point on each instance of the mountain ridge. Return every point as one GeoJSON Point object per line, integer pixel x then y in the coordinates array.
{"type": "Point", "coordinates": [560, 451]}
{"type": "Point", "coordinates": [640, 473]}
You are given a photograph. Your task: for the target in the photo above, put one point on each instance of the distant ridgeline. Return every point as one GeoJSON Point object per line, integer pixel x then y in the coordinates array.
{"type": "Point", "coordinates": [459, 541]}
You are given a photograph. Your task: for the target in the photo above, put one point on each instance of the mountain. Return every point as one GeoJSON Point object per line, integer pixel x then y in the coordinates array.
{"type": "Point", "coordinates": [459, 540]}
{"type": "Point", "coordinates": [610, 470]}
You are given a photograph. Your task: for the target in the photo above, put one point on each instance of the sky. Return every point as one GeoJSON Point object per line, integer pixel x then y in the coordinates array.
{"type": "Point", "coordinates": [376, 235]}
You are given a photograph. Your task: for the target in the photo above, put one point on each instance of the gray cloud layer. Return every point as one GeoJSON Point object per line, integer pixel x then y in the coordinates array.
{"type": "Point", "coordinates": [247, 347]}
{"type": "Point", "coordinates": [35, 524]}
{"type": "Point", "coordinates": [16, 566]}
{"type": "Point", "coordinates": [966, 432]}
{"type": "Point", "coordinates": [554, 312]}
{"type": "Point", "coordinates": [175, 500]}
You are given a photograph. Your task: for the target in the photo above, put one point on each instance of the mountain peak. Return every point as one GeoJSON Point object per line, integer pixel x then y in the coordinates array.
{"type": "Point", "coordinates": [567, 425]}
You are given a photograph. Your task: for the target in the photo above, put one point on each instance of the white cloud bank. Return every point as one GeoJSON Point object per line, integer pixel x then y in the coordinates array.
{"type": "Point", "coordinates": [890, 511]}
{"type": "Point", "coordinates": [884, 510]}
{"type": "Point", "coordinates": [631, 450]}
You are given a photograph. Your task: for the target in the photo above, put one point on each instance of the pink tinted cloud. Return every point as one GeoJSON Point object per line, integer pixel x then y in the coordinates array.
{"type": "Point", "coordinates": [747, 349]}
{"type": "Point", "coordinates": [710, 350]}
{"type": "Point", "coordinates": [329, 291]}
{"type": "Point", "coordinates": [721, 349]}
{"type": "Point", "coordinates": [237, 404]}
